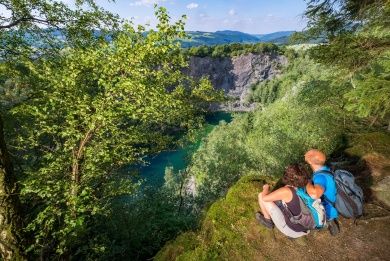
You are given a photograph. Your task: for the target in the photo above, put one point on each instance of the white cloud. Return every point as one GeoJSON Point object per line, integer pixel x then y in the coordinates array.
{"type": "Point", "coordinates": [192, 6]}
{"type": "Point", "coordinates": [4, 12]}
{"type": "Point", "coordinates": [232, 12]}
{"type": "Point", "coordinates": [147, 3]}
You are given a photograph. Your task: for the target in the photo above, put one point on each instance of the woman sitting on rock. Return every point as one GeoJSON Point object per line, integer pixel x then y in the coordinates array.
{"type": "Point", "coordinates": [271, 203]}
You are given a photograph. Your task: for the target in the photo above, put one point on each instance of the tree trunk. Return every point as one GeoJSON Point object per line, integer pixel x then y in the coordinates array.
{"type": "Point", "coordinates": [78, 154]}
{"type": "Point", "coordinates": [10, 207]}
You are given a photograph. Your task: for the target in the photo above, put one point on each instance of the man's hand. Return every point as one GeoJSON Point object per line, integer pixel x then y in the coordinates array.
{"type": "Point", "coordinates": [314, 191]}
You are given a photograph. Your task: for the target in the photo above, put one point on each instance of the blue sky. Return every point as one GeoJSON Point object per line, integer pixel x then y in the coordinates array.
{"type": "Point", "coordinates": [256, 16]}
{"type": "Point", "coordinates": [250, 16]}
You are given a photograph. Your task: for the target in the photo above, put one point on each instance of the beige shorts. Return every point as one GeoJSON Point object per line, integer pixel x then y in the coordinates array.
{"type": "Point", "coordinates": [280, 222]}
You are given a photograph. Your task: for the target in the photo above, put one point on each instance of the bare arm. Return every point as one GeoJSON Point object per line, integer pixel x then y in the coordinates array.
{"type": "Point", "coordinates": [315, 191]}
{"type": "Point", "coordinates": [283, 193]}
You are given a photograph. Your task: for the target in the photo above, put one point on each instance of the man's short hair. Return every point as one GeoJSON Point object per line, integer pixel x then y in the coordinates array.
{"type": "Point", "coordinates": [316, 157]}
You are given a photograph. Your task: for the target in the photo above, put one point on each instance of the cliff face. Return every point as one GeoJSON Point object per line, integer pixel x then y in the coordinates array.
{"type": "Point", "coordinates": [236, 74]}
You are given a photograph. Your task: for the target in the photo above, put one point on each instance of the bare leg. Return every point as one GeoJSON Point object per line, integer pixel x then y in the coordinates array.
{"type": "Point", "coordinates": [262, 207]}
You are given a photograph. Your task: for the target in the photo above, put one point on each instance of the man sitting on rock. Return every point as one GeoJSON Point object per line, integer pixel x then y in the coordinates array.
{"type": "Point", "coordinates": [323, 186]}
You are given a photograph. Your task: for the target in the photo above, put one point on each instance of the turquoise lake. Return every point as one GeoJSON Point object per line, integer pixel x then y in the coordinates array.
{"type": "Point", "coordinates": [153, 173]}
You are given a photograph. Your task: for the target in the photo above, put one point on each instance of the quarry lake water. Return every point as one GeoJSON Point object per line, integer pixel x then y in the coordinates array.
{"type": "Point", "coordinates": [153, 172]}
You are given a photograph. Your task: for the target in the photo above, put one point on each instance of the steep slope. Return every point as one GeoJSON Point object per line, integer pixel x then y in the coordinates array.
{"type": "Point", "coordinates": [230, 232]}
{"type": "Point", "coordinates": [236, 74]}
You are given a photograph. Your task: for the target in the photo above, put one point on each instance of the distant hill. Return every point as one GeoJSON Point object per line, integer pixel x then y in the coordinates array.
{"type": "Point", "coordinates": [218, 37]}
{"type": "Point", "coordinates": [274, 36]}
{"type": "Point", "coordinates": [228, 36]}
{"type": "Point", "coordinates": [198, 38]}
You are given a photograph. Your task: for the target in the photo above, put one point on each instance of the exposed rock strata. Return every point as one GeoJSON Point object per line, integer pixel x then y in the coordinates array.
{"type": "Point", "coordinates": [235, 75]}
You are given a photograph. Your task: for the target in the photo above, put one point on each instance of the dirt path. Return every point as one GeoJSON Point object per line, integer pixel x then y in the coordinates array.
{"type": "Point", "coordinates": [369, 239]}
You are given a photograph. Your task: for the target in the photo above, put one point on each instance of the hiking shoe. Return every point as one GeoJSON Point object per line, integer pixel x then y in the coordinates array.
{"type": "Point", "coordinates": [333, 227]}
{"type": "Point", "coordinates": [264, 221]}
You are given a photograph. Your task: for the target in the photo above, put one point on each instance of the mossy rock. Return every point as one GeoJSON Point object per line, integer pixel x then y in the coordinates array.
{"type": "Point", "coordinates": [229, 229]}
{"type": "Point", "coordinates": [366, 143]}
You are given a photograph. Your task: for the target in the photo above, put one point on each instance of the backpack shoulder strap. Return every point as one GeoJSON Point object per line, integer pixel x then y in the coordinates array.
{"type": "Point", "coordinates": [327, 173]}
{"type": "Point", "coordinates": [324, 171]}
{"type": "Point", "coordinates": [308, 203]}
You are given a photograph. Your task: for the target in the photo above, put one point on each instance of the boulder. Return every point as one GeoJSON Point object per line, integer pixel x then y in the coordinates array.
{"type": "Point", "coordinates": [382, 191]}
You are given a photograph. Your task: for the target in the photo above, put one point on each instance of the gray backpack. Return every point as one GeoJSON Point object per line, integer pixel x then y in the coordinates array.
{"type": "Point", "coordinates": [349, 198]}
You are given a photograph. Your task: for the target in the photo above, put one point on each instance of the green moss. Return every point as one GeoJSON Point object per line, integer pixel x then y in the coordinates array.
{"type": "Point", "coordinates": [229, 229]}
{"type": "Point", "coordinates": [183, 243]}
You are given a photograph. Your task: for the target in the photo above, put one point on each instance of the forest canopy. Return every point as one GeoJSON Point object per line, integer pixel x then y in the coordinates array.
{"type": "Point", "coordinates": [358, 42]}
{"type": "Point", "coordinates": [230, 50]}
